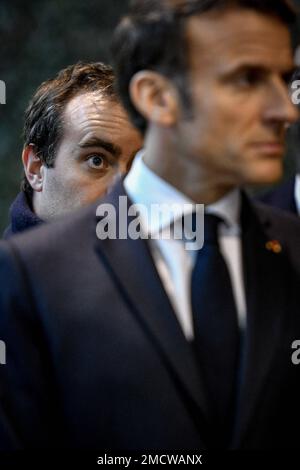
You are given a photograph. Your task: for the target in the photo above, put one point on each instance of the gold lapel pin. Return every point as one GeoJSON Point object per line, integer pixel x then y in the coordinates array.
{"type": "Point", "coordinates": [274, 246]}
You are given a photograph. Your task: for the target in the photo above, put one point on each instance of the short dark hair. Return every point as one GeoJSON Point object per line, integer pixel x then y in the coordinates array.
{"type": "Point", "coordinates": [43, 125]}
{"type": "Point", "coordinates": [152, 37]}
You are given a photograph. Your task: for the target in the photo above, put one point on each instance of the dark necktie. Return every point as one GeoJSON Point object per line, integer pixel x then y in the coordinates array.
{"type": "Point", "coordinates": [215, 328]}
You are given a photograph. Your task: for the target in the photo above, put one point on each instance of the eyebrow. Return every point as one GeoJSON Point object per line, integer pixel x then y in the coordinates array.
{"type": "Point", "coordinates": [115, 150]}
{"type": "Point", "coordinates": [288, 72]}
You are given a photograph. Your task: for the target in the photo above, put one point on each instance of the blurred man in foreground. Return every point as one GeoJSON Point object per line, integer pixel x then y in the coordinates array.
{"type": "Point", "coordinates": [130, 343]}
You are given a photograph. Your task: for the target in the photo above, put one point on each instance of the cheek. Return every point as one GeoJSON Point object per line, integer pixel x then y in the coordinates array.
{"type": "Point", "coordinates": [92, 188]}
{"type": "Point", "coordinates": [63, 185]}
{"type": "Point", "coordinates": [221, 141]}
{"type": "Point", "coordinates": [214, 119]}
{"type": "Point", "coordinates": [228, 133]}
{"type": "Point", "coordinates": [223, 113]}
{"type": "Point", "coordinates": [215, 134]}
{"type": "Point", "coordinates": [76, 183]}
{"type": "Point", "coordinates": [92, 194]}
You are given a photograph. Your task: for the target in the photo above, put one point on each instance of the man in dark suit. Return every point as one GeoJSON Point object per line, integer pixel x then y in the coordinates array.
{"type": "Point", "coordinates": [108, 341]}
{"type": "Point", "coordinates": [62, 170]}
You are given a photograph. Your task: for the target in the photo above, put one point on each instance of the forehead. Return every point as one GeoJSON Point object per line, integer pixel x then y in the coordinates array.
{"type": "Point", "coordinates": [238, 35]}
{"type": "Point", "coordinates": [91, 112]}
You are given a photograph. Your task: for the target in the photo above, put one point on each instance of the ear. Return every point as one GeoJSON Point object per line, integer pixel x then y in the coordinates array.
{"type": "Point", "coordinates": [33, 167]}
{"type": "Point", "coordinates": [155, 97]}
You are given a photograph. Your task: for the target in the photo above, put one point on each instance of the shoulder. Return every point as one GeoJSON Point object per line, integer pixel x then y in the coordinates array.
{"type": "Point", "coordinates": [278, 217]}
{"type": "Point", "coordinates": [44, 258]}
{"type": "Point", "coordinates": [61, 255]}
{"type": "Point", "coordinates": [69, 235]}
{"type": "Point", "coordinates": [58, 237]}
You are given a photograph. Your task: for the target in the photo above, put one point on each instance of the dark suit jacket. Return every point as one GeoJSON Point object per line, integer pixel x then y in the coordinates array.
{"type": "Point", "coordinates": [97, 359]}
{"type": "Point", "coordinates": [282, 197]}
{"type": "Point", "coordinates": [21, 215]}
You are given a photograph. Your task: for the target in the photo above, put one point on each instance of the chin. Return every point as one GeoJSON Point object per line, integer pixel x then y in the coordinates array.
{"type": "Point", "coordinates": [268, 174]}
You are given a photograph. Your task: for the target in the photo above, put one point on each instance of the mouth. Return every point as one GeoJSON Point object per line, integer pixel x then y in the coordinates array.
{"type": "Point", "coordinates": [272, 148]}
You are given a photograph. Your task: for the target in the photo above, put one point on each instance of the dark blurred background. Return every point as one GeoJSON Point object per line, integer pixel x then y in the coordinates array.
{"type": "Point", "coordinates": [38, 38]}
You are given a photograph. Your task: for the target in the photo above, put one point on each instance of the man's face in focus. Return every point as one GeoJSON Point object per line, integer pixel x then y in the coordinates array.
{"type": "Point", "coordinates": [98, 143]}
{"type": "Point", "coordinates": [239, 65]}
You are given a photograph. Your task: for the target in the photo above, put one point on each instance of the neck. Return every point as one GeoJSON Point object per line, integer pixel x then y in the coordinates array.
{"type": "Point", "coordinates": [185, 174]}
{"type": "Point", "coordinates": [37, 206]}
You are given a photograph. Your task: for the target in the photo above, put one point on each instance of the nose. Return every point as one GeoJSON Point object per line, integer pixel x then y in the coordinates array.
{"type": "Point", "coordinates": [280, 108]}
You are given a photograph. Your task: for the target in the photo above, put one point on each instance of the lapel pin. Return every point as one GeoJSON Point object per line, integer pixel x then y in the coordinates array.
{"type": "Point", "coordinates": [274, 246]}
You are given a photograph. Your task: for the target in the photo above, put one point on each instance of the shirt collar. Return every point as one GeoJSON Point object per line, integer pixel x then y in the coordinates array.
{"type": "Point", "coordinates": [228, 208]}
{"type": "Point", "coordinates": [145, 187]}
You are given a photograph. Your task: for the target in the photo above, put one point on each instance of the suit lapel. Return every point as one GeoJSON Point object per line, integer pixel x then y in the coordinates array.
{"type": "Point", "coordinates": [264, 275]}
{"type": "Point", "coordinates": [130, 264]}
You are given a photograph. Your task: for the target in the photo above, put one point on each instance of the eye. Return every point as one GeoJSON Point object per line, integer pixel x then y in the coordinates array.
{"type": "Point", "coordinates": [250, 77]}
{"type": "Point", "coordinates": [97, 162]}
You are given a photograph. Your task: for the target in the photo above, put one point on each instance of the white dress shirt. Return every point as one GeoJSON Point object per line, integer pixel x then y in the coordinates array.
{"type": "Point", "coordinates": [173, 262]}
